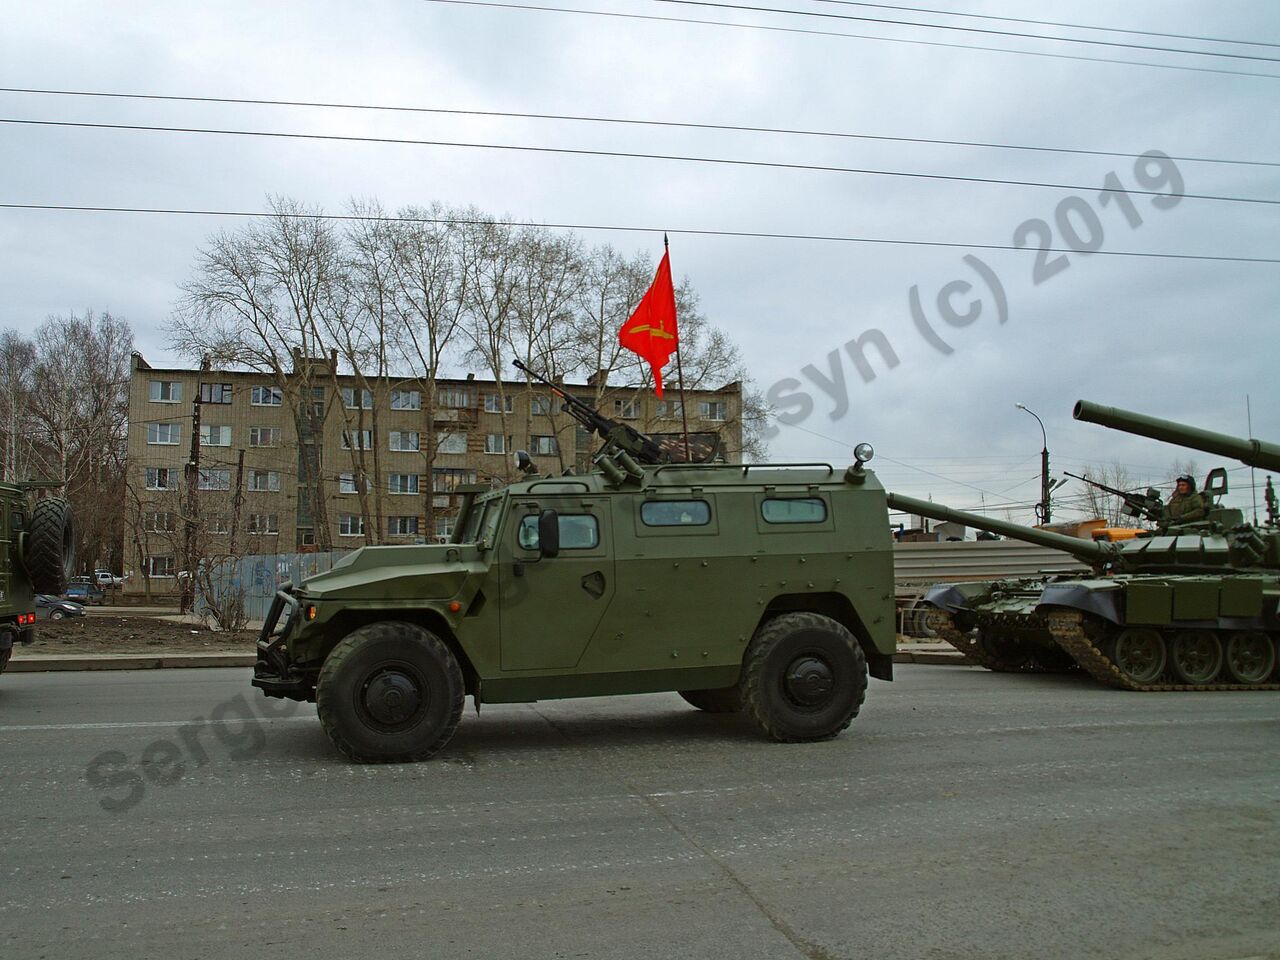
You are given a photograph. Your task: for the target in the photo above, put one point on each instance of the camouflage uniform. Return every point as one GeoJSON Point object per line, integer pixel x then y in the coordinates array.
{"type": "Point", "coordinates": [1186, 507]}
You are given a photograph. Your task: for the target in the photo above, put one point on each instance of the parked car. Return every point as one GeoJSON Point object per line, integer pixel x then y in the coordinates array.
{"type": "Point", "coordinates": [85, 591]}
{"type": "Point", "coordinates": [53, 608]}
{"type": "Point", "coordinates": [108, 580]}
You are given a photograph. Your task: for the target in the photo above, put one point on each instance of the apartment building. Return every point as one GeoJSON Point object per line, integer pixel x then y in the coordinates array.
{"type": "Point", "coordinates": [264, 445]}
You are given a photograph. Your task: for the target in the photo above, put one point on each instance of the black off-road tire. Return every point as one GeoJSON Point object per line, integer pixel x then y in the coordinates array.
{"type": "Point", "coordinates": [803, 678]}
{"type": "Point", "coordinates": [390, 692]}
{"type": "Point", "coordinates": [723, 700]}
{"type": "Point", "coordinates": [49, 551]}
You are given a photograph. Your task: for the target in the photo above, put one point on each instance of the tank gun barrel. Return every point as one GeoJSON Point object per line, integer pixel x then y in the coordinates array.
{"type": "Point", "coordinates": [1255, 453]}
{"type": "Point", "coordinates": [1086, 550]}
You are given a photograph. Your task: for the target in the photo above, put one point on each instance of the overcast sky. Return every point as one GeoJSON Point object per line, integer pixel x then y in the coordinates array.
{"type": "Point", "coordinates": [1184, 339]}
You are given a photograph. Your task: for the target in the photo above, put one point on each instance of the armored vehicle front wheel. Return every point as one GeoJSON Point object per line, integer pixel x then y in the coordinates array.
{"type": "Point", "coordinates": [1140, 654]}
{"type": "Point", "coordinates": [724, 700]}
{"type": "Point", "coordinates": [390, 693]}
{"type": "Point", "coordinates": [803, 678]}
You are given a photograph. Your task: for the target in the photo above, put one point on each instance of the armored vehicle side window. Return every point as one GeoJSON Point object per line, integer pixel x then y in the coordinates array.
{"type": "Point", "coordinates": [799, 510]}
{"type": "Point", "coordinates": [675, 513]}
{"type": "Point", "coordinates": [15, 520]}
{"type": "Point", "coordinates": [578, 531]}
{"type": "Point", "coordinates": [476, 521]}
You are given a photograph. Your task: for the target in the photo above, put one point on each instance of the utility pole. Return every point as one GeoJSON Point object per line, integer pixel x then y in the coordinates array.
{"type": "Point", "coordinates": [1043, 509]}
{"type": "Point", "coordinates": [237, 503]}
{"type": "Point", "coordinates": [191, 510]}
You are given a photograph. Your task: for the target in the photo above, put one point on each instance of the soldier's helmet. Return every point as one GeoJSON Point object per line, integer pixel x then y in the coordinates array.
{"type": "Point", "coordinates": [1188, 480]}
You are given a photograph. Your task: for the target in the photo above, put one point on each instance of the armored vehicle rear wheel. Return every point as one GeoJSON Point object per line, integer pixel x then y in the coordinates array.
{"type": "Point", "coordinates": [1251, 657]}
{"type": "Point", "coordinates": [49, 548]}
{"type": "Point", "coordinates": [390, 693]}
{"type": "Point", "coordinates": [1139, 654]}
{"type": "Point", "coordinates": [1196, 656]}
{"type": "Point", "coordinates": [724, 700]}
{"type": "Point", "coordinates": [803, 678]}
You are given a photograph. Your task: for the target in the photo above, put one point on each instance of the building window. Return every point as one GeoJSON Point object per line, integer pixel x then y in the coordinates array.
{"type": "Point", "coordinates": [363, 439]}
{"type": "Point", "coordinates": [496, 404]}
{"type": "Point", "coordinates": [456, 397]}
{"type": "Point", "coordinates": [402, 483]}
{"type": "Point", "coordinates": [167, 434]}
{"type": "Point", "coordinates": [162, 478]}
{"type": "Point", "coordinates": [158, 521]}
{"type": "Point", "coordinates": [404, 440]}
{"type": "Point", "coordinates": [626, 409]}
{"type": "Point", "coordinates": [160, 566]}
{"type": "Point", "coordinates": [306, 537]}
{"type": "Point", "coordinates": [215, 393]}
{"type": "Point", "coordinates": [713, 409]}
{"type": "Point", "coordinates": [347, 483]}
{"type": "Point", "coordinates": [264, 481]}
{"type": "Point", "coordinates": [264, 436]}
{"type": "Point", "coordinates": [495, 443]}
{"type": "Point", "coordinates": [217, 524]}
{"type": "Point", "coordinates": [406, 400]}
{"type": "Point", "coordinates": [214, 478]}
{"type": "Point", "coordinates": [351, 525]}
{"type": "Point", "coordinates": [540, 406]}
{"type": "Point", "coordinates": [670, 409]}
{"type": "Point", "coordinates": [452, 443]}
{"type": "Point", "coordinates": [164, 391]}
{"type": "Point", "coordinates": [215, 436]}
{"type": "Point", "coordinates": [402, 526]}
{"type": "Point", "coordinates": [546, 446]}
{"type": "Point", "coordinates": [349, 395]}
{"type": "Point", "coordinates": [444, 528]}
{"type": "Point", "coordinates": [264, 523]}
{"type": "Point", "coordinates": [266, 397]}
{"type": "Point", "coordinates": [448, 479]}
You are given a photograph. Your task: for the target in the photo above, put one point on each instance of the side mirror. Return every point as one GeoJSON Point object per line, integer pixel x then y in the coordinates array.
{"type": "Point", "coordinates": [549, 533]}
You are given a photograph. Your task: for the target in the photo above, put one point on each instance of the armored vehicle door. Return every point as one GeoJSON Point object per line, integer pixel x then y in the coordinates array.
{"type": "Point", "coordinates": [551, 605]}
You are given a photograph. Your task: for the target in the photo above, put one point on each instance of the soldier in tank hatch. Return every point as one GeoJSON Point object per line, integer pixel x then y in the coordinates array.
{"type": "Point", "coordinates": [1186, 505]}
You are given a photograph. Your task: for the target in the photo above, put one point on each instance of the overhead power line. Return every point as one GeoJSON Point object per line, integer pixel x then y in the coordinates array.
{"type": "Point", "coordinates": [618, 228]}
{"type": "Point", "coordinates": [788, 11]}
{"type": "Point", "coordinates": [580, 118]}
{"type": "Point", "coordinates": [622, 154]}
{"type": "Point", "coordinates": [854, 36]}
{"type": "Point", "coordinates": [1048, 23]}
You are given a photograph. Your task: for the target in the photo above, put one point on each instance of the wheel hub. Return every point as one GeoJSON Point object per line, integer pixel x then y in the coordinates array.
{"type": "Point", "coordinates": [809, 681]}
{"type": "Point", "coordinates": [392, 697]}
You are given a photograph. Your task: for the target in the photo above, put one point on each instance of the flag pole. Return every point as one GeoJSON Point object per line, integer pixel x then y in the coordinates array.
{"type": "Point", "coordinates": [684, 410]}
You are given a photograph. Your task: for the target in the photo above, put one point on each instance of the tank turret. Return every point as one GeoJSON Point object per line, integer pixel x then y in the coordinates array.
{"type": "Point", "coordinates": [1255, 453]}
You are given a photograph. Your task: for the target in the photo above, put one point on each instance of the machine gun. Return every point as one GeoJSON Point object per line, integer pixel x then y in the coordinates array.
{"type": "Point", "coordinates": [643, 448]}
{"type": "Point", "coordinates": [1147, 506]}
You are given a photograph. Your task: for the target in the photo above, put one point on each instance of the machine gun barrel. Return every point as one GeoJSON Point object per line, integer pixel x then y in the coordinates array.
{"type": "Point", "coordinates": [1137, 504]}
{"type": "Point", "coordinates": [1255, 453]}
{"type": "Point", "coordinates": [1086, 550]}
{"type": "Point", "coordinates": [643, 448]}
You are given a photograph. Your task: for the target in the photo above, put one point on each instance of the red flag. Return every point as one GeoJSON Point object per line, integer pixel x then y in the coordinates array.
{"type": "Point", "coordinates": [651, 331]}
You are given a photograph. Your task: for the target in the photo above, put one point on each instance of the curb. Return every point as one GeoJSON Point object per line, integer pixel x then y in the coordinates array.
{"type": "Point", "coordinates": [126, 661]}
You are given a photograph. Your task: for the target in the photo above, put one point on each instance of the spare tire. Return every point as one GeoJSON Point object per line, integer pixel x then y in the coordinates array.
{"type": "Point", "coordinates": [49, 549]}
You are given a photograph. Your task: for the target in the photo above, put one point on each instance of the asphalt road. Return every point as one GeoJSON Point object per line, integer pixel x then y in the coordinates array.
{"type": "Point", "coordinates": [964, 814]}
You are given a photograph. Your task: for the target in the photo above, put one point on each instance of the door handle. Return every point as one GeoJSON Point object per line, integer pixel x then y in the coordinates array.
{"type": "Point", "coordinates": [594, 584]}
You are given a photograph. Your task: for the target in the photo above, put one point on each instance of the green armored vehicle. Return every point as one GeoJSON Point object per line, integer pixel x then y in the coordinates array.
{"type": "Point", "coordinates": [1190, 606]}
{"type": "Point", "coordinates": [765, 589]}
{"type": "Point", "coordinates": [37, 555]}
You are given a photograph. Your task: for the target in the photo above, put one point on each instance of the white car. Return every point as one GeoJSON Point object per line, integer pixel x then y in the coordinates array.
{"type": "Point", "coordinates": [107, 580]}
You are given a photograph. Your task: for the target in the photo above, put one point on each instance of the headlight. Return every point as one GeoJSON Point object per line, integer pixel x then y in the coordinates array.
{"type": "Point", "coordinates": [863, 452]}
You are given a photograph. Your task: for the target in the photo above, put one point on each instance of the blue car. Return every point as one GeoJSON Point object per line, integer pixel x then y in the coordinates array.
{"type": "Point", "coordinates": [85, 591]}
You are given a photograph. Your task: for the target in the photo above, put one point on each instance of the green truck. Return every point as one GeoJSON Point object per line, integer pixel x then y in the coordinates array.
{"type": "Point", "coordinates": [37, 555]}
{"type": "Point", "coordinates": [762, 589]}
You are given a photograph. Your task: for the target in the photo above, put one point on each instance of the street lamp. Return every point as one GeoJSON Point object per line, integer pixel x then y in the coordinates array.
{"type": "Point", "coordinates": [1043, 512]}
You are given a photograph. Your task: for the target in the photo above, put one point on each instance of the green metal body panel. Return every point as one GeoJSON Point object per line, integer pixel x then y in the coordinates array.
{"type": "Point", "coordinates": [16, 595]}
{"type": "Point", "coordinates": [641, 607]}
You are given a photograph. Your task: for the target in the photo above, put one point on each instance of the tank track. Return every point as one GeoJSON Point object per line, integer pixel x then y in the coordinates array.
{"type": "Point", "coordinates": [1067, 627]}
{"type": "Point", "coordinates": [945, 627]}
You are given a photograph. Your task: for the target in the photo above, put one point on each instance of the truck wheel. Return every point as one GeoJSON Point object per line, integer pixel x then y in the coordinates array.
{"type": "Point", "coordinates": [724, 700]}
{"type": "Point", "coordinates": [804, 677]}
{"type": "Point", "coordinates": [49, 548]}
{"type": "Point", "coordinates": [390, 693]}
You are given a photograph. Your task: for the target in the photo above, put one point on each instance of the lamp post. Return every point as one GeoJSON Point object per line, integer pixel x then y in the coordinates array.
{"type": "Point", "coordinates": [1043, 511]}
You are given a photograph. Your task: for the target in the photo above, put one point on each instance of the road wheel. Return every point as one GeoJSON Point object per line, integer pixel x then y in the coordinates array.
{"type": "Point", "coordinates": [390, 693]}
{"type": "Point", "coordinates": [803, 678]}
{"type": "Point", "coordinates": [49, 548]}
{"type": "Point", "coordinates": [56, 615]}
{"type": "Point", "coordinates": [1196, 656]}
{"type": "Point", "coordinates": [1140, 655]}
{"type": "Point", "coordinates": [1251, 656]}
{"type": "Point", "coordinates": [724, 700]}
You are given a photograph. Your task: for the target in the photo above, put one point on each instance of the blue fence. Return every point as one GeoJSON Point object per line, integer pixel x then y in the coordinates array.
{"type": "Point", "coordinates": [257, 578]}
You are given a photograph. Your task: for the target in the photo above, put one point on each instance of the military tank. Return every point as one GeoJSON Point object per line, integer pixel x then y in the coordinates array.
{"type": "Point", "coordinates": [1188, 606]}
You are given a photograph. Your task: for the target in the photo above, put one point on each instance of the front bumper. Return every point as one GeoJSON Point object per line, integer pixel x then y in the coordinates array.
{"type": "Point", "coordinates": [272, 673]}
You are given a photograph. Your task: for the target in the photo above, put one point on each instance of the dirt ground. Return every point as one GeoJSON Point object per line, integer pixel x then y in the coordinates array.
{"type": "Point", "coordinates": [136, 634]}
